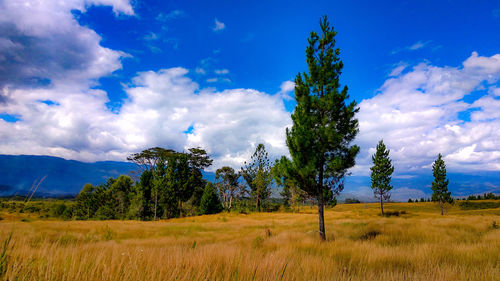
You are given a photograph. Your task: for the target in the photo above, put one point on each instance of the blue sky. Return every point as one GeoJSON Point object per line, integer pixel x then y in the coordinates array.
{"type": "Point", "coordinates": [263, 43]}
{"type": "Point", "coordinates": [99, 79]}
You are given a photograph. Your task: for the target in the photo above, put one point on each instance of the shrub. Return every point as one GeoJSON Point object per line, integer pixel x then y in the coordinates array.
{"type": "Point", "coordinates": [369, 235]}
{"type": "Point", "coordinates": [58, 210]}
{"type": "Point", "coordinates": [394, 213]}
{"type": "Point", "coordinates": [67, 214]}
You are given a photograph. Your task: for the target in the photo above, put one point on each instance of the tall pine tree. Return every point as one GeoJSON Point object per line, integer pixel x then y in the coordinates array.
{"type": "Point", "coordinates": [382, 170]}
{"type": "Point", "coordinates": [257, 175]}
{"type": "Point", "coordinates": [440, 184]}
{"type": "Point", "coordinates": [323, 124]}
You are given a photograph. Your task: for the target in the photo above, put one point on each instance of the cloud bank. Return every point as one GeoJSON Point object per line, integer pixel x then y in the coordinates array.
{"type": "Point", "coordinates": [424, 112]}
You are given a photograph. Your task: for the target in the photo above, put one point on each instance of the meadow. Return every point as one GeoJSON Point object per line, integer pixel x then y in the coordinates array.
{"type": "Point", "coordinates": [419, 244]}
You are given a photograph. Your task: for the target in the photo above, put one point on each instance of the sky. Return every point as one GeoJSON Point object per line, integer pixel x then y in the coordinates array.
{"type": "Point", "coordinates": [94, 80]}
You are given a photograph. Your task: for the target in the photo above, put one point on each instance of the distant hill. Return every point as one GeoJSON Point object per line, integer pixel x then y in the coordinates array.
{"type": "Point", "coordinates": [64, 177]}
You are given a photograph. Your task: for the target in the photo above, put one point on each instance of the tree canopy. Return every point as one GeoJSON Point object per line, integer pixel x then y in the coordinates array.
{"type": "Point", "coordinates": [257, 174]}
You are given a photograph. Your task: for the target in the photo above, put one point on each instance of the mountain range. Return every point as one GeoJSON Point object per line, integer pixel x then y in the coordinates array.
{"type": "Point", "coordinates": [18, 173]}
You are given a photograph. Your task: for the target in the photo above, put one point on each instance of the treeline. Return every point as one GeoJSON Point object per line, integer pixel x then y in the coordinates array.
{"type": "Point", "coordinates": [486, 196]}
{"type": "Point", "coordinates": [171, 185]}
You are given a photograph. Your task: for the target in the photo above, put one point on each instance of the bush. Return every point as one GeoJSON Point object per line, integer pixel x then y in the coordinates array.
{"type": "Point", "coordinates": [369, 235]}
{"type": "Point", "coordinates": [67, 214]}
{"type": "Point", "coordinates": [394, 213]}
{"type": "Point", "coordinates": [58, 210]}
{"type": "Point", "coordinates": [494, 225]}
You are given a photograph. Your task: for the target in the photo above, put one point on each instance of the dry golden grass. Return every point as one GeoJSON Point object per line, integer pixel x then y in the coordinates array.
{"type": "Point", "coordinates": [421, 245]}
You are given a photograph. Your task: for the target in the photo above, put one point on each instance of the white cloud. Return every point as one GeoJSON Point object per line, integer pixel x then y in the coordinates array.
{"type": "Point", "coordinates": [416, 114]}
{"type": "Point", "coordinates": [397, 70]}
{"type": "Point", "coordinates": [218, 26]}
{"type": "Point", "coordinates": [221, 71]}
{"type": "Point", "coordinates": [41, 42]}
{"type": "Point", "coordinates": [287, 86]}
{"type": "Point", "coordinates": [159, 109]}
{"type": "Point", "coordinates": [495, 91]}
{"type": "Point", "coordinates": [175, 14]}
{"type": "Point", "coordinates": [285, 90]}
{"type": "Point", "coordinates": [151, 36]}
{"type": "Point", "coordinates": [418, 45]}
{"type": "Point", "coordinates": [200, 70]}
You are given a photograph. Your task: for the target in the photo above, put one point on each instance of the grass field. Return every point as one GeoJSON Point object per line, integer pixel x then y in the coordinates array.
{"type": "Point", "coordinates": [419, 245]}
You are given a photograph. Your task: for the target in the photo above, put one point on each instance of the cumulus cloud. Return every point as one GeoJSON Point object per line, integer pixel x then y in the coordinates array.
{"type": "Point", "coordinates": [41, 43]}
{"type": "Point", "coordinates": [160, 108]}
{"type": "Point", "coordinates": [417, 115]}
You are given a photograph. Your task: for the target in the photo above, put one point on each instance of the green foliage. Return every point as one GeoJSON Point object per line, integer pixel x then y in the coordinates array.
{"type": "Point", "coordinates": [486, 196]}
{"type": "Point", "coordinates": [67, 214]}
{"type": "Point", "coordinates": [143, 201]}
{"type": "Point", "coordinates": [292, 195]}
{"type": "Point", "coordinates": [58, 210]}
{"type": "Point", "coordinates": [86, 203]}
{"type": "Point", "coordinates": [108, 201]}
{"type": "Point", "coordinates": [257, 174]}
{"type": "Point", "coordinates": [323, 124]}
{"type": "Point", "coordinates": [120, 194]}
{"type": "Point", "coordinates": [440, 184]}
{"type": "Point", "coordinates": [228, 185]}
{"type": "Point", "coordinates": [467, 205]}
{"type": "Point", "coordinates": [210, 203]}
{"type": "Point", "coordinates": [381, 173]}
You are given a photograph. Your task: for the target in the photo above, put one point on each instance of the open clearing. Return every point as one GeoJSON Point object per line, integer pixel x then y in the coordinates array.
{"type": "Point", "coordinates": [418, 245]}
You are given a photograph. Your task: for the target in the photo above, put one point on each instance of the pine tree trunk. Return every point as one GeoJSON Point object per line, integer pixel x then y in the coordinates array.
{"type": "Point", "coordinates": [382, 205]}
{"type": "Point", "coordinates": [321, 217]}
{"type": "Point", "coordinates": [441, 205]}
{"type": "Point", "coordinates": [321, 208]}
